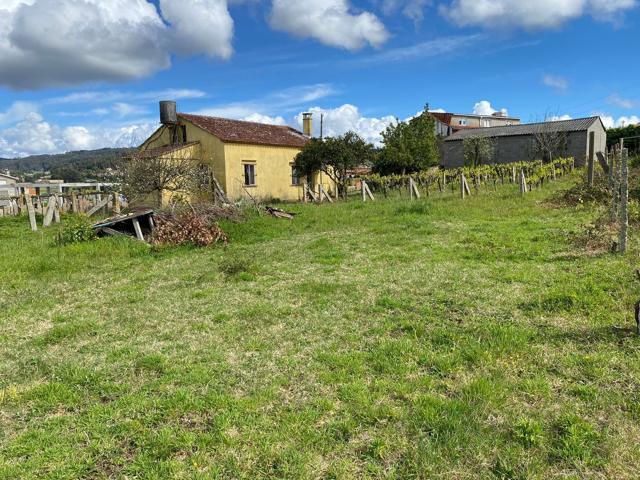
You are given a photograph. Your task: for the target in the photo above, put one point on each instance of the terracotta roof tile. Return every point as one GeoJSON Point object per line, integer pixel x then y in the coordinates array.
{"type": "Point", "coordinates": [237, 131]}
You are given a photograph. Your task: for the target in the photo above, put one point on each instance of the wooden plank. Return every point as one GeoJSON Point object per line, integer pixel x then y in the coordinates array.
{"type": "Point", "coordinates": [32, 214]}
{"type": "Point", "coordinates": [101, 204]}
{"type": "Point", "coordinates": [112, 232]}
{"type": "Point", "coordinates": [323, 193]}
{"type": "Point", "coordinates": [138, 230]}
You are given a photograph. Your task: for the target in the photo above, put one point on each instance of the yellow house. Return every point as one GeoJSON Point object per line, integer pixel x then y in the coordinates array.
{"type": "Point", "coordinates": [248, 159]}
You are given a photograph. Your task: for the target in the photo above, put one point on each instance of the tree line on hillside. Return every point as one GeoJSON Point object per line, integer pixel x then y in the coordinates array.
{"type": "Point", "coordinates": [70, 167]}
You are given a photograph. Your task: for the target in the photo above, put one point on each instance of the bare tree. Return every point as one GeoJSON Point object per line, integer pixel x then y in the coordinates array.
{"type": "Point", "coordinates": [549, 143]}
{"type": "Point", "coordinates": [478, 151]}
{"type": "Point", "coordinates": [147, 177]}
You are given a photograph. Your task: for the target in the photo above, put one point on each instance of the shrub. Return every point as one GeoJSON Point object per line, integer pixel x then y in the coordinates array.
{"type": "Point", "coordinates": [75, 230]}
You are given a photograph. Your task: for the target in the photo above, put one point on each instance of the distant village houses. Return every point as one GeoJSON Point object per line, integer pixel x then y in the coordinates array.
{"type": "Point", "coordinates": [450, 123]}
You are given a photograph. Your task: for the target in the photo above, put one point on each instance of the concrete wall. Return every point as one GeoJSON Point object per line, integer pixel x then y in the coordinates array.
{"type": "Point", "coordinates": [522, 148]}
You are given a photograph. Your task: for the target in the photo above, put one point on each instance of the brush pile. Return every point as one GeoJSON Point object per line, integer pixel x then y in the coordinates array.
{"type": "Point", "coordinates": [195, 225]}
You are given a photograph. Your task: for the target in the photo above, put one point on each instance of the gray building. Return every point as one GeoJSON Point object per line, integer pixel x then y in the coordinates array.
{"type": "Point", "coordinates": [515, 143]}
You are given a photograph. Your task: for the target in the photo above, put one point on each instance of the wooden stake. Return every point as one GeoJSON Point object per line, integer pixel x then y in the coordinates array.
{"type": "Point", "coordinates": [624, 200]}
{"type": "Point", "coordinates": [413, 189]}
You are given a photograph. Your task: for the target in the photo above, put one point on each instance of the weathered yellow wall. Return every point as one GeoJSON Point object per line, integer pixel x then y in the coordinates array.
{"type": "Point", "coordinates": [273, 164]}
{"type": "Point", "coordinates": [273, 171]}
{"type": "Point", "coordinates": [211, 148]}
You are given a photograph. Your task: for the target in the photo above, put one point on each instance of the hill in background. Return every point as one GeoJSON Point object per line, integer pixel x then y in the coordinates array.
{"type": "Point", "coordinates": [70, 166]}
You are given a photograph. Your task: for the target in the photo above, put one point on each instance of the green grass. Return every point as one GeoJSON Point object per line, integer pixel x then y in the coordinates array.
{"type": "Point", "coordinates": [435, 339]}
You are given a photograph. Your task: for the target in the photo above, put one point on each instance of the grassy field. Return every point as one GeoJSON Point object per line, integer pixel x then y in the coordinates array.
{"type": "Point", "coordinates": [433, 339]}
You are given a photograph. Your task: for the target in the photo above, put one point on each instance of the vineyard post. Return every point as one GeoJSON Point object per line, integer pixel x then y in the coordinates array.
{"type": "Point", "coordinates": [513, 174]}
{"type": "Point", "coordinates": [523, 182]}
{"type": "Point", "coordinates": [462, 181]}
{"type": "Point", "coordinates": [612, 185]}
{"type": "Point", "coordinates": [591, 161]}
{"type": "Point", "coordinates": [363, 189]}
{"type": "Point", "coordinates": [624, 198]}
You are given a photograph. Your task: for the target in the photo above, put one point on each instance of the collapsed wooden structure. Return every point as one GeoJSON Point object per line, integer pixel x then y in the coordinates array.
{"type": "Point", "coordinates": [139, 224]}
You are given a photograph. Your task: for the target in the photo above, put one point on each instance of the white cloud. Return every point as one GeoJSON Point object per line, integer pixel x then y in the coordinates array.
{"type": "Point", "coordinates": [67, 42]}
{"type": "Point", "coordinates": [78, 138]}
{"type": "Point", "coordinates": [430, 49]}
{"type": "Point", "coordinates": [621, 102]}
{"type": "Point", "coordinates": [624, 121]}
{"type": "Point", "coordinates": [332, 22]}
{"type": "Point", "coordinates": [287, 100]}
{"type": "Point", "coordinates": [108, 96]}
{"type": "Point", "coordinates": [558, 118]}
{"type": "Point", "coordinates": [30, 134]}
{"type": "Point", "coordinates": [484, 107]}
{"type": "Point", "coordinates": [200, 26]}
{"type": "Point", "coordinates": [259, 118]}
{"type": "Point", "coordinates": [556, 82]}
{"type": "Point", "coordinates": [413, 9]}
{"type": "Point", "coordinates": [16, 112]}
{"type": "Point", "coordinates": [126, 109]}
{"type": "Point", "coordinates": [347, 118]}
{"type": "Point", "coordinates": [536, 14]}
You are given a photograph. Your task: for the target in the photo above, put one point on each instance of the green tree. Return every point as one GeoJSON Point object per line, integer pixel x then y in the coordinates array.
{"type": "Point", "coordinates": [409, 146]}
{"type": "Point", "coordinates": [477, 150]}
{"type": "Point", "coordinates": [334, 157]}
{"type": "Point", "coordinates": [68, 173]}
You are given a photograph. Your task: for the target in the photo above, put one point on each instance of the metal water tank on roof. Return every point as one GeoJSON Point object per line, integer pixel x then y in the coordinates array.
{"type": "Point", "coordinates": [168, 115]}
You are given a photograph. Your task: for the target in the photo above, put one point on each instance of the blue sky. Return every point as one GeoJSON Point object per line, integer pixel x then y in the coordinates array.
{"type": "Point", "coordinates": [80, 74]}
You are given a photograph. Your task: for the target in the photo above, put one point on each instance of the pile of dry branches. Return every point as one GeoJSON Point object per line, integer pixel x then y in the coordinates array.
{"type": "Point", "coordinates": [196, 225]}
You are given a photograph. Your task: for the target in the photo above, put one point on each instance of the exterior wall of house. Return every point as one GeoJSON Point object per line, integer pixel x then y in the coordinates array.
{"type": "Point", "coordinates": [6, 180]}
{"type": "Point", "coordinates": [522, 148]}
{"type": "Point", "coordinates": [272, 171]}
{"type": "Point", "coordinates": [473, 121]}
{"type": "Point", "coordinates": [211, 151]}
{"type": "Point", "coordinates": [272, 163]}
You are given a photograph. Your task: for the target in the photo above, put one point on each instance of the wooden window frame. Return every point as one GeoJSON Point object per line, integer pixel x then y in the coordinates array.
{"type": "Point", "coordinates": [246, 163]}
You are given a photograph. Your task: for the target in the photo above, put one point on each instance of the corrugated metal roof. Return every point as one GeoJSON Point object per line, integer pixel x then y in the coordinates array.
{"type": "Point", "coordinates": [576, 125]}
{"type": "Point", "coordinates": [238, 131]}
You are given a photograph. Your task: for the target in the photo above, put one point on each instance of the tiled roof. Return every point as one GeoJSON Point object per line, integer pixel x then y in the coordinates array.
{"type": "Point", "coordinates": [576, 125]}
{"type": "Point", "coordinates": [237, 131]}
{"type": "Point", "coordinates": [442, 117]}
{"type": "Point", "coordinates": [159, 151]}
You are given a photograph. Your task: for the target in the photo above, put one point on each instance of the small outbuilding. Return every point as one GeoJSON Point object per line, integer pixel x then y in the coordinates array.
{"type": "Point", "coordinates": [577, 138]}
